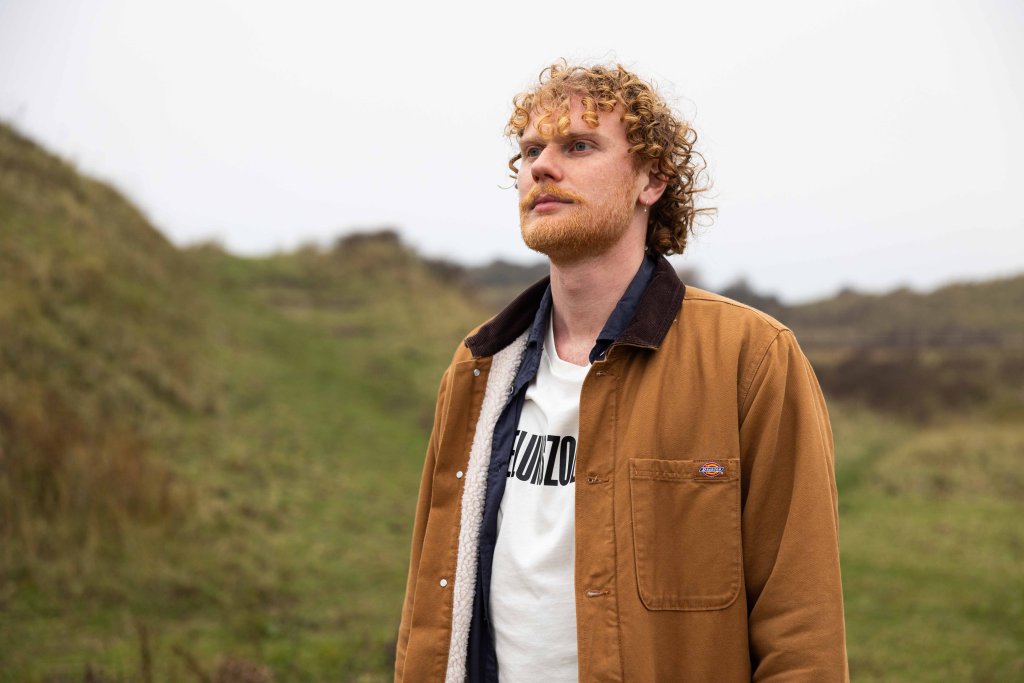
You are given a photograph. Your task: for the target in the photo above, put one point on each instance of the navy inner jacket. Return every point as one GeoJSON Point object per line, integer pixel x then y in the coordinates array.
{"type": "Point", "coordinates": [482, 665]}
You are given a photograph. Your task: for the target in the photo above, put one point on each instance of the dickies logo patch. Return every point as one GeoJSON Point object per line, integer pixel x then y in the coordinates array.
{"type": "Point", "coordinates": [711, 469]}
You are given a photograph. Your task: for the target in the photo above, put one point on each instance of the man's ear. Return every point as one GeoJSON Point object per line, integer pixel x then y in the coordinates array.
{"type": "Point", "coordinates": [654, 187]}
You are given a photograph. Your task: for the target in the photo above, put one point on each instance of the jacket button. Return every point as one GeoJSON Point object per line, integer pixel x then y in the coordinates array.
{"type": "Point", "coordinates": [458, 475]}
{"type": "Point", "coordinates": [476, 372]}
{"type": "Point", "coordinates": [444, 582]}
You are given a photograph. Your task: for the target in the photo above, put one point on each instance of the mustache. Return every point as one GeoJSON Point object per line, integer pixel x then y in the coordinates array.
{"type": "Point", "coordinates": [552, 190]}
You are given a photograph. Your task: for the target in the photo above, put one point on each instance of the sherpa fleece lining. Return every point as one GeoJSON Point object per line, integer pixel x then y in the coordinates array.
{"type": "Point", "coordinates": [499, 380]}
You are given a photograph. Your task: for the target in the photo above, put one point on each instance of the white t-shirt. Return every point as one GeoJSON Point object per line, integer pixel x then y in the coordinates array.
{"type": "Point", "coordinates": [532, 600]}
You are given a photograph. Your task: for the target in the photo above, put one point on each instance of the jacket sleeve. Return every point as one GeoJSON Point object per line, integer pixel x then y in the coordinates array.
{"type": "Point", "coordinates": [790, 522]}
{"type": "Point", "coordinates": [419, 530]}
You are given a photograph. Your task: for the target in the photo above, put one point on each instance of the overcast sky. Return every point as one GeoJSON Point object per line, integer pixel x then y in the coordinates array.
{"type": "Point", "coordinates": [866, 144]}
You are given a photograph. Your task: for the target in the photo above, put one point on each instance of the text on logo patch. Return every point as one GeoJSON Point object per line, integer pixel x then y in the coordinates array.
{"type": "Point", "coordinates": [712, 469]}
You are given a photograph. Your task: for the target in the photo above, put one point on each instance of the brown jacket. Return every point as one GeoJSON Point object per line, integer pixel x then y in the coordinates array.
{"type": "Point", "coordinates": [706, 517]}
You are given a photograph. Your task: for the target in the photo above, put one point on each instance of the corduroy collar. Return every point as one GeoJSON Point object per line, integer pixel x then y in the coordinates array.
{"type": "Point", "coordinates": [654, 314]}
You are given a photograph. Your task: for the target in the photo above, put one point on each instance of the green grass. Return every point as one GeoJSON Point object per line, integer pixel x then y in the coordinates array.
{"type": "Point", "coordinates": [933, 590]}
{"type": "Point", "coordinates": [219, 449]}
{"type": "Point", "coordinates": [303, 481]}
{"type": "Point", "coordinates": [932, 548]}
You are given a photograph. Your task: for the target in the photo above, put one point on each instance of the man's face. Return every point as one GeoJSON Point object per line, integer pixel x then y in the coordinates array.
{"type": "Point", "coordinates": [578, 192]}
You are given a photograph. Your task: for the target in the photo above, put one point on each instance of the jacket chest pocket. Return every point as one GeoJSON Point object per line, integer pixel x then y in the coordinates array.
{"type": "Point", "coordinates": [686, 532]}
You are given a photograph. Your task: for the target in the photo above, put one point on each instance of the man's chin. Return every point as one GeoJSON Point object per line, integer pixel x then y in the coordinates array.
{"type": "Point", "coordinates": [554, 239]}
{"type": "Point", "coordinates": [565, 243]}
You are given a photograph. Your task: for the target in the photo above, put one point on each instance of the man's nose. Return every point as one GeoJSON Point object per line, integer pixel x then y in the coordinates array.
{"type": "Point", "coordinates": [547, 165]}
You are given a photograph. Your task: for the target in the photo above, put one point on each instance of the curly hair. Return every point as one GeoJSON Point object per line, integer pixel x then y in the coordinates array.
{"type": "Point", "coordinates": [653, 130]}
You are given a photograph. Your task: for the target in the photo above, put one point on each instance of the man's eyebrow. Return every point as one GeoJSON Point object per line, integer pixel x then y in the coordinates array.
{"type": "Point", "coordinates": [571, 134]}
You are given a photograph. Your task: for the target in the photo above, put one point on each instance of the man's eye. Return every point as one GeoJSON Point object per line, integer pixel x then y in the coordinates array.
{"type": "Point", "coordinates": [531, 152]}
{"type": "Point", "coordinates": [580, 146]}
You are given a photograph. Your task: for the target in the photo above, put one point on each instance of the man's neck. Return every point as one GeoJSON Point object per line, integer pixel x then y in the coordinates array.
{"type": "Point", "coordinates": [584, 294]}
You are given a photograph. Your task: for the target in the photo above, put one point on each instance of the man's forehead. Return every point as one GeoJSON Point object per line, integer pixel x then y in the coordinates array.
{"type": "Point", "coordinates": [606, 120]}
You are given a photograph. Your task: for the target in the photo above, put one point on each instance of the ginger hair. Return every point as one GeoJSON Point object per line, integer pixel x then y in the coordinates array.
{"type": "Point", "coordinates": [654, 131]}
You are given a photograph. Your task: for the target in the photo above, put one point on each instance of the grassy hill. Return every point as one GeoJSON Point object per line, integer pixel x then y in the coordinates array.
{"type": "Point", "coordinates": [101, 344]}
{"type": "Point", "coordinates": [220, 453]}
{"type": "Point", "coordinates": [959, 348]}
{"type": "Point", "coordinates": [208, 463]}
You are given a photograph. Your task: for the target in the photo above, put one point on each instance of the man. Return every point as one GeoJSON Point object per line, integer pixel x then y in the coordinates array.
{"type": "Point", "coordinates": [627, 479]}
